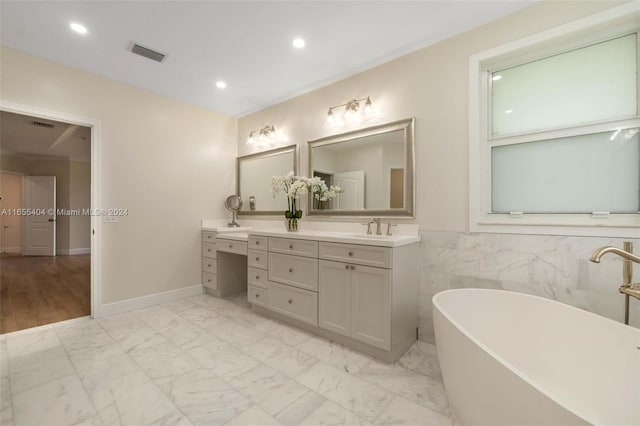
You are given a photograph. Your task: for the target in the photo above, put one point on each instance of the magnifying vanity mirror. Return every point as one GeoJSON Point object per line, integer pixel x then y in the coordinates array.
{"type": "Point", "coordinates": [233, 203]}
{"type": "Point", "coordinates": [254, 180]}
{"type": "Point", "coordinates": [371, 171]}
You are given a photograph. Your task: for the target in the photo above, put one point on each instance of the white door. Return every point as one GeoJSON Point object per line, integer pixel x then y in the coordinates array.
{"type": "Point", "coordinates": [353, 184]}
{"type": "Point", "coordinates": [39, 229]}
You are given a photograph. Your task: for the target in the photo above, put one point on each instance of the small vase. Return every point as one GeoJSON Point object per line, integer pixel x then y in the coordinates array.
{"type": "Point", "coordinates": [291, 224]}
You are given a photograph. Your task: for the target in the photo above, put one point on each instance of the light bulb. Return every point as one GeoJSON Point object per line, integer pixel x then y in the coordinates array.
{"type": "Point", "coordinates": [79, 28]}
{"type": "Point", "coordinates": [331, 119]}
{"type": "Point", "coordinates": [368, 106]}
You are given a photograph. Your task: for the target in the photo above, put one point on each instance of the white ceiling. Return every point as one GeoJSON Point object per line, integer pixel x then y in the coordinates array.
{"type": "Point", "coordinates": [19, 136]}
{"type": "Point", "coordinates": [245, 43]}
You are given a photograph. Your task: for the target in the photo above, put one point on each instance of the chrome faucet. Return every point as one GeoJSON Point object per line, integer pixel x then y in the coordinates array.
{"type": "Point", "coordinates": [378, 223]}
{"type": "Point", "coordinates": [627, 288]}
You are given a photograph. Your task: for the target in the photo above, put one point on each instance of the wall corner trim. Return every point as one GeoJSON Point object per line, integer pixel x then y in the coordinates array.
{"type": "Point", "coordinates": [149, 300]}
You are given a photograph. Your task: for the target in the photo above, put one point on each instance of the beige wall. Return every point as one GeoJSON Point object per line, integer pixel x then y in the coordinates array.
{"type": "Point", "coordinates": [13, 163]}
{"type": "Point", "coordinates": [169, 163]}
{"type": "Point", "coordinates": [80, 198]}
{"type": "Point", "coordinates": [432, 85]}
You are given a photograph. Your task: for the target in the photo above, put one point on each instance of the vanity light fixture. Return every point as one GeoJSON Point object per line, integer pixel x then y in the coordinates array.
{"type": "Point", "coordinates": [264, 135]}
{"type": "Point", "coordinates": [351, 109]}
{"type": "Point", "coordinates": [221, 84]}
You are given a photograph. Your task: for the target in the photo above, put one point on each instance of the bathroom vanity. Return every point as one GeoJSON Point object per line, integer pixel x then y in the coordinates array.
{"type": "Point", "coordinates": [358, 290]}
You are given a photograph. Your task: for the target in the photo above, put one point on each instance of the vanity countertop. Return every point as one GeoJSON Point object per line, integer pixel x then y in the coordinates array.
{"type": "Point", "coordinates": [225, 229]}
{"type": "Point", "coordinates": [236, 236]}
{"type": "Point", "coordinates": [341, 237]}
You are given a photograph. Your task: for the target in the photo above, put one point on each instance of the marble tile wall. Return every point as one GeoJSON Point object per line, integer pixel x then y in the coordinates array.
{"type": "Point", "coordinates": [555, 267]}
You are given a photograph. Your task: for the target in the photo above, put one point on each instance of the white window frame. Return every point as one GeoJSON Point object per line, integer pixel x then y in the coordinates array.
{"type": "Point", "coordinates": [603, 26]}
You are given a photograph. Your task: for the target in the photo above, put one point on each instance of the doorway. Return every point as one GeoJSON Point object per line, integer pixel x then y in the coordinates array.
{"type": "Point", "coordinates": [46, 244]}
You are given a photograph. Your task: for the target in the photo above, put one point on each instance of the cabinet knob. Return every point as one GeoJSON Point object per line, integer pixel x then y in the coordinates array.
{"type": "Point", "coordinates": [257, 295]}
{"type": "Point", "coordinates": [350, 253]}
{"type": "Point", "coordinates": [257, 259]}
{"type": "Point", "coordinates": [209, 236]}
{"type": "Point", "coordinates": [257, 277]}
{"type": "Point", "coordinates": [257, 243]}
{"type": "Point", "coordinates": [346, 266]}
{"type": "Point", "coordinates": [230, 245]}
{"type": "Point", "coordinates": [209, 280]}
{"type": "Point", "coordinates": [290, 301]}
{"type": "Point", "coordinates": [352, 267]}
{"type": "Point", "coordinates": [290, 246]}
{"type": "Point", "coordinates": [290, 270]}
{"type": "Point", "coordinates": [209, 250]}
{"type": "Point", "coordinates": [209, 265]}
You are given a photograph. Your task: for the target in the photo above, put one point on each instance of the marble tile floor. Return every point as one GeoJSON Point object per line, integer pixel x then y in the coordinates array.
{"type": "Point", "coordinates": [208, 361]}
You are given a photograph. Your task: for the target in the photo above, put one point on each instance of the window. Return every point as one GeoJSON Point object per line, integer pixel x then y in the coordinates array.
{"type": "Point", "coordinates": [554, 127]}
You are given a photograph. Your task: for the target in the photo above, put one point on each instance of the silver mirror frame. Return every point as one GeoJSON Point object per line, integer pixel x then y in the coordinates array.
{"type": "Point", "coordinates": [264, 154]}
{"type": "Point", "coordinates": [408, 126]}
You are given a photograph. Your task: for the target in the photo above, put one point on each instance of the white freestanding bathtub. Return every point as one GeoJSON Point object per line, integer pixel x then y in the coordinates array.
{"type": "Point", "coordinates": [513, 359]}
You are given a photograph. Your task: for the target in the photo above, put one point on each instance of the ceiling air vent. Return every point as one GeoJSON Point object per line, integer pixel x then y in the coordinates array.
{"type": "Point", "coordinates": [147, 53]}
{"type": "Point", "coordinates": [42, 124]}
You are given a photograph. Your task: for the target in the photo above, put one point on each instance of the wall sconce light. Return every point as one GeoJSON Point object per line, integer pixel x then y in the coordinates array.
{"type": "Point", "coordinates": [263, 136]}
{"type": "Point", "coordinates": [351, 109]}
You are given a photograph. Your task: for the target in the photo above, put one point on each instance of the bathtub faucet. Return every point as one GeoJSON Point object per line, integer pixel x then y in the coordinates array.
{"type": "Point", "coordinates": [627, 288]}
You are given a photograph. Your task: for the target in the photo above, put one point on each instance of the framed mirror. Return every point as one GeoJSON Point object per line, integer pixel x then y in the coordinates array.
{"type": "Point", "coordinates": [371, 171]}
{"type": "Point", "coordinates": [254, 173]}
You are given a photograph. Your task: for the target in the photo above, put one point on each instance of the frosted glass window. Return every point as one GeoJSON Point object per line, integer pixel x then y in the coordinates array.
{"type": "Point", "coordinates": [580, 174]}
{"type": "Point", "coordinates": [591, 84]}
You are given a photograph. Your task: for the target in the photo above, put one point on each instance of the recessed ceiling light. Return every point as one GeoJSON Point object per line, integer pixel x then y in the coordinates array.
{"type": "Point", "coordinates": [221, 84]}
{"type": "Point", "coordinates": [509, 111]}
{"type": "Point", "coordinates": [298, 43]}
{"type": "Point", "coordinates": [79, 28]}
{"type": "Point", "coordinates": [496, 77]}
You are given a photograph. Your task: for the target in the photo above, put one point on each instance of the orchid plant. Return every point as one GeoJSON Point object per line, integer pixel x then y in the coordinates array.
{"type": "Point", "coordinates": [293, 186]}
{"type": "Point", "coordinates": [323, 193]}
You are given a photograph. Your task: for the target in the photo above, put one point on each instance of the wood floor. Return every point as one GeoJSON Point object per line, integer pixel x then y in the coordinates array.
{"type": "Point", "coordinates": [40, 290]}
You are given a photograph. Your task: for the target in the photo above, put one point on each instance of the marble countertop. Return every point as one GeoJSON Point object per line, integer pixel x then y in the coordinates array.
{"type": "Point", "coordinates": [341, 237]}
{"type": "Point", "coordinates": [275, 229]}
{"type": "Point", "coordinates": [236, 236]}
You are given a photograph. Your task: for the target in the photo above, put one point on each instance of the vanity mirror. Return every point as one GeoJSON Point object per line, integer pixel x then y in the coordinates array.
{"type": "Point", "coordinates": [254, 180]}
{"type": "Point", "coordinates": [374, 167]}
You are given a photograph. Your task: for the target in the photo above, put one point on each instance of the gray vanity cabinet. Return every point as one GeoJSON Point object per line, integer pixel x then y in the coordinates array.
{"type": "Point", "coordinates": [355, 301]}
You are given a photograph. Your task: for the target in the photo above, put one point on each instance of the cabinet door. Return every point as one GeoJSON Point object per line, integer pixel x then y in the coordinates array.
{"type": "Point", "coordinates": [371, 306]}
{"type": "Point", "coordinates": [334, 297]}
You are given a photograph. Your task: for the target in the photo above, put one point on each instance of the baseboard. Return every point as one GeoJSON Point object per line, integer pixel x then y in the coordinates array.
{"type": "Point", "coordinates": [72, 252]}
{"type": "Point", "coordinates": [11, 250]}
{"type": "Point", "coordinates": [146, 301]}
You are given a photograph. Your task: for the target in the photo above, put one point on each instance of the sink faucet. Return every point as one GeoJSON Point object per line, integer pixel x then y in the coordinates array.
{"type": "Point", "coordinates": [369, 226]}
{"type": "Point", "coordinates": [627, 288]}
{"type": "Point", "coordinates": [378, 222]}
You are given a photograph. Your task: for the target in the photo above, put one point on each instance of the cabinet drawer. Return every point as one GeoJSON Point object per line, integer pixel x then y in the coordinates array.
{"type": "Point", "coordinates": [210, 280]}
{"type": "Point", "coordinates": [257, 259]}
{"type": "Point", "coordinates": [209, 265]}
{"type": "Point", "coordinates": [354, 253]}
{"type": "Point", "coordinates": [209, 250]}
{"type": "Point", "coordinates": [257, 295]}
{"type": "Point", "coordinates": [232, 246]}
{"type": "Point", "coordinates": [209, 236]}
{"type": "Point", "coordinates": [294, 302]}
{"type": "Point", "coordinates": [292, 246]}
{"type": "Point", "coordinates": [257, 277]}
{"type": "Point", "coordinates": [258, 243]}
{"type": "Point", "coordinates": [294, 270]}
